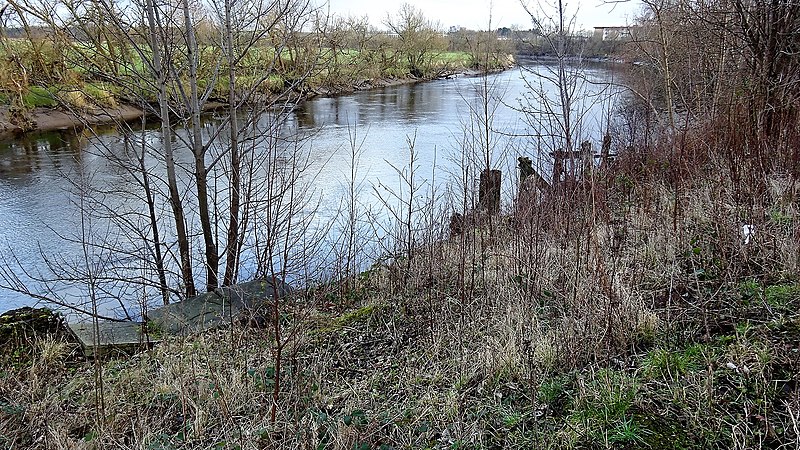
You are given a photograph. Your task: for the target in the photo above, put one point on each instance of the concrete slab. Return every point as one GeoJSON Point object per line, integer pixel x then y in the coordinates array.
{"type": "Point", "coordinates": [124, 337]}
{"type": "Point", "coordinates": [194, 315]}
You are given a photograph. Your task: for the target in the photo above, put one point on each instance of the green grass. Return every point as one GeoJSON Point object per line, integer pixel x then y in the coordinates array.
{"type": "Point", "coordinates": [603, 408]}
{"type": "Point", "coordinates": [671, 364]}
{"type": "Point", "coordinates": [457, 58]}
{"type": "Point", "coordinates": [79, 61]}
{"type": "Point", "coordinates": [552, 390]}
{"type": "Point", "coordinates": [781, 295]}
{"type": "Point", "coordinates": [37, 96]}
{"type": "Point", "coordinates": [101, 93]}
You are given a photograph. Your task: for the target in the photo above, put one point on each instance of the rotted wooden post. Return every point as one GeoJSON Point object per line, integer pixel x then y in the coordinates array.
{"type": "Point", "coordinates": [525, 169]}
{"type": "Point", "coordinates": [489, 191]}
{"type": "Point", "coordinates": [558, 166]}
{"type": "Point", "coordinates": [605, 153]}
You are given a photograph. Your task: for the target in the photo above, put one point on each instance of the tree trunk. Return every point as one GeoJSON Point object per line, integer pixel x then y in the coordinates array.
{"type": "Point", "coordinates": [200, 173]}
{"type": "Point", "coordinates": [151, 210]}
{"type": "Point", "coordinates": [166, 137]}
{"type": "Point", "coordinates": [232, 247]}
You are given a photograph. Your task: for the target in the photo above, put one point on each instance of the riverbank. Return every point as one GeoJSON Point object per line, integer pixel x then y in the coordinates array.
{"type": "Point", "coordinates": [644, 318]}
{"type": "Point", "coordinates": [15, 122]}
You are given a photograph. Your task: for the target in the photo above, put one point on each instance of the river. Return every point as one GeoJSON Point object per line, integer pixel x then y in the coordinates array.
{"type": "Point", "coordinates": [41, 224]}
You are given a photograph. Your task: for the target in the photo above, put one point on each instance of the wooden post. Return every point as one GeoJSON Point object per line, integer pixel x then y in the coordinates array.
{"type": "Point", "coordinates": [489, 191]}
{"type": "Point", "coordinates": [456, 225]}
{"type": "Point", "coordinates": [529, 178]}
{"type": "Point", "coordinates": [606, 150]}
{"type": "Point", "coordinates": [525, 169]}
{"type": "Point", "coordinates": [558, 168]}
{"type": "Point", "coordinates": [587, 158]}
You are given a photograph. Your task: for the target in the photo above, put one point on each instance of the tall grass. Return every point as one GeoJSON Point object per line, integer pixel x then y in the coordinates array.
{"type": "Point", "coordinates": [650, 302]}
{"type": "Point", "coordinates": [617, 311]}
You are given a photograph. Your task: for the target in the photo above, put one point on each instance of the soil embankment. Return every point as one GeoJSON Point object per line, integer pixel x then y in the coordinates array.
{"type": "Point", "coordinates": [50, 119]}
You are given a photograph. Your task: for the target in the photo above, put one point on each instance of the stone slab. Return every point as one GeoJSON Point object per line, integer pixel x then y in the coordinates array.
{"type": "Point", "coordinates": [118, 336]}
{"type": "Point", "coordinates": [213, 309]}
{"type": "Point", "coordinates": [206, 311]}
{"type": "Point", "coordinates": [253, 294]}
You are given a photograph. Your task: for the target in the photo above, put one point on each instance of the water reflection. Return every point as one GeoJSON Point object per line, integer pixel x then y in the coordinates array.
{"type": "Point", "coordinates": [44, 152]}
{"type": "Point", "coordinates": [403, 104]}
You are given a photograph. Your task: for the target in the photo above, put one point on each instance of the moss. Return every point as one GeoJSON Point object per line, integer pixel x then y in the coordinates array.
{"type": "Point", "coordinates": [655, 432]}
{"type": "Point", "coordinates": [152, 330]}
{"type": "Point", "coordinates": [102, 94]}
{"type": "Point", "coordinates": [347, 319]}
{"type": "Point", "coordinates": [37, 96]}
{"type": "Point", "coordinates": [20, 329]}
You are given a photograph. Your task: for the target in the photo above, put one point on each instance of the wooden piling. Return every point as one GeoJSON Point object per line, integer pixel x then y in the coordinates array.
{"type": "Point", "coordinates": [489, 191]}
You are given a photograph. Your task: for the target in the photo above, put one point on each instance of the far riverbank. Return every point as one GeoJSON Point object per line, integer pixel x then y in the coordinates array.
{"type": "Point", "coordinates": [15, 124]}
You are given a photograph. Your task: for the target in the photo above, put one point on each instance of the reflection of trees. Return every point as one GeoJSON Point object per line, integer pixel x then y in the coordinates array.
{"type": "Point", "coordinates": [406, 103]}
{"type": "Point", "coordinates": [33, 154]}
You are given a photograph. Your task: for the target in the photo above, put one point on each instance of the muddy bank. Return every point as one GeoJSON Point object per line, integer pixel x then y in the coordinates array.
{"type": "Point", "coordinates": [364, 85]}
{"type": "Point", "coordinates": [13, 124]}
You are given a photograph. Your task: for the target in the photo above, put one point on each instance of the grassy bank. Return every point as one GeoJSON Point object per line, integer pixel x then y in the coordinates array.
{"type": "Point", "coordinates": [94, 90]}
{"type": "Point", "coordinates": [629, 310]}
{"type": "Point", "coordinates": [46, 74]}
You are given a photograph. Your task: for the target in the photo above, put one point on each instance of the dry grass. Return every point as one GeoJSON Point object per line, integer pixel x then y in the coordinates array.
{"type": "Point", "coordinates": [615, 323]}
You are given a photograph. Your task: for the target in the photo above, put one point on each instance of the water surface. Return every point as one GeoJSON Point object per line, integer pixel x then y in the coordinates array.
{"type": "Point", "coordinates": [42, 175]}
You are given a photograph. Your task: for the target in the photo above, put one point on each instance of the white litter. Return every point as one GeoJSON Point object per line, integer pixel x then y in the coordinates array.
{"type": "Point", "coordinates": [748, 231]}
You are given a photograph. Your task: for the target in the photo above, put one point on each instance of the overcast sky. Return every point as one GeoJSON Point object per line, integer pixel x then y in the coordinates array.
{"type": "Point", "coordinates": [474, 14]}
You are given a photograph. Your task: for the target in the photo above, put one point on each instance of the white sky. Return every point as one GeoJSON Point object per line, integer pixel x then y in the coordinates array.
{"type": "Point", "coordinates": [474, 14]}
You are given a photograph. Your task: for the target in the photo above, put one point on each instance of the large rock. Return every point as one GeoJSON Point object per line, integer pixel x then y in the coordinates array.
{"type": "Point", "coordinates": [21, 326]}
{"type": "Point", "coordinates": [22, 329]}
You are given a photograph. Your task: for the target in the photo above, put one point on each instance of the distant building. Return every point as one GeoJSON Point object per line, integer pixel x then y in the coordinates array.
{"type": "Point", "coordinates": [613, 33]}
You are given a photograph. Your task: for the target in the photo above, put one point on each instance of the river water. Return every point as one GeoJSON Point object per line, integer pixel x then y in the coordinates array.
{"type": "Point", "coordinates": [42, 175]}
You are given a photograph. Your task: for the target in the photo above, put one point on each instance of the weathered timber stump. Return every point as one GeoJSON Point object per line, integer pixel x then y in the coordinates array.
{"type": "Point", "coordinates": [587, 157]}
{"type": "Point", "coordinates": [489, 191]}
{"type": "Point", "coordinates": [605, 151]}
{"type": "Point", "coordinates": [456, 224]}
{"type": "Point", "coordinates": [558, 167]}
{"type": "Point", "coordinates": [529, 177]}
{"type": "Point", "coordinates": [525, 169]}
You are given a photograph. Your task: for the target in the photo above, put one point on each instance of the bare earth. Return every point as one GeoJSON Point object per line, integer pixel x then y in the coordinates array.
{"type": "Point", "coordinates": [48, 119]}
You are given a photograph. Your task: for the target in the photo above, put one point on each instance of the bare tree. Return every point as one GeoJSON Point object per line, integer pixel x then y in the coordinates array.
{"type": "Point", "coordinates": [177, 55]}
{"type": "Point", "coordinates": [419, 38]}
{"type": "Point", "coordinates": [552, 106]}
